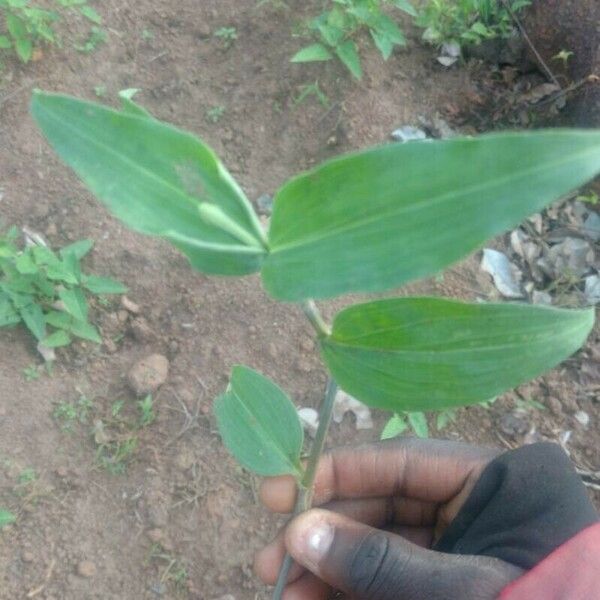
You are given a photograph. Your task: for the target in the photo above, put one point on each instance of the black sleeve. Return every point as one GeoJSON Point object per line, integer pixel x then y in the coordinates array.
{"type": "Point", "coordinates": [526, 503]}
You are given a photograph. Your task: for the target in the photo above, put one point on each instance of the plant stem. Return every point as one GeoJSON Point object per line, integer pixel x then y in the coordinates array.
{"type": "Point", "coordinates": [305, 489]}
{"type": "Point", "coordinates": [316, 320]}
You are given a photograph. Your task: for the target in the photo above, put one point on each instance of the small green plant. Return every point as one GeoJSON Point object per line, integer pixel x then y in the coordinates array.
{"type": "Point", "coordinates": [336, 27]}
{"type": "Point", "coordinates": [227, 35]}
{"type": "Point", "coordinates": [68, 414]}
{"type": "Point", "coordinates": [27, 476]}
{"type": "Point", "coordinates": [146, 408]}
{"type": "Point", "coordinates": [467, 21]}
{"type": "Point", "coordinates": [173, 570]}
{"type": "Point", "coordinates": [32, 373]}
{"type": "Point", "coordinates": [367, 222]}
{"type": "Point", "coordinates": [47, 291]}
{"type": "Point", "coordinates": [100, 91]}
{"type": "Point", "coordinates": [6, 518]}
{"type": "Point", "coordinates": [312, 89]}
{"type": "Point", "coordinates": [564, 56]}
{"type": "Point", "coordinates": [96, 37]}
{"type": "Point", "coordinates": [28, 25]}
{"type": "Point", "coordinates": [590, 198]}
{"type": "Point", "coordinates": [215, 114]}
{"type": "Point", "coordinates": [114, 455]}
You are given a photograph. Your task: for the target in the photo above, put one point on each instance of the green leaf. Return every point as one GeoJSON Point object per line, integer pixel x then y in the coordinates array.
{"type": "Point", "coordinates": [418, 354]}
{"type": "Point", "coordinates": [131, 107]}
{"type": "Point", "coordinates": [85, 331]}
{"type": "Point", "coordinates": [418, 422]}
{"type": "Point", "coordinates": [157, 179]}
{"type": "Point", "coordinates": [16, 27]}
{"type": "Point", "coordinates": [259, 424]}
{"type": "Point", "coordinates": [5, 43]}
{"type": "Point", "coordinates": [405, 6]}
{"type": "Point", "coordinates": [374, 220]}
{"type": "Point", "coordinates": [348, 54]}
{"type": "Point", "coordinates": [25, 265]}
{"type": "Point", "coordinates": [24, 49]}
{"type": "Point", "coordinates": [33, 317]}
{"type": "Point", "coordinates": [58, 319]}
{"type": "Point", "coordinates": [57, 339]}
{"type": "Point", "coordinates": [8, 314]}
{"type": "Point", "coordinates": [312, 53]}
{"type": "Point", "coordinates": [103, 285]}
{"type": "Point", "coordinates": [394, 427]}
{"type": "Point", "coordinates": [75, 303]}
{"type": "Point", "coordinates": [383, 43]}
{"type": "Point", "coordinates": [79, 249]}
{"type": "Point", "coordinates": [90, 13]}
{"type": "Point", "coordinates": [6, 518]}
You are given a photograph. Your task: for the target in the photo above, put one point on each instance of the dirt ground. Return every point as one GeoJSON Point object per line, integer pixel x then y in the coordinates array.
{"type": "Point", "coordinates": [183, 520]}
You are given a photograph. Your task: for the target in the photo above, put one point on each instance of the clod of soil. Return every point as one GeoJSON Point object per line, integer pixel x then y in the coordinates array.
{"type": "Point", "coordinates": [148, 374]}
{"type": "Point", "coordinates": [86, 568]}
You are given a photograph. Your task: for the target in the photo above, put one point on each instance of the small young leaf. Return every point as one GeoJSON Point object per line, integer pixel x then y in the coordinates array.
{"type": "Point", "coordinates": [57, 339]}
{"type": "Point", "coordinates": [16, 27]}
{"type": "Point", "coordinates": [90, 13]}
{"type": "Point", "coordinates": [24, 49]}
{"type": "Point", "coordinates": [6, 518]}
{"type": "Point", "coordinates": [406, 6]}
{"type": "Point", "coordinates": [415, 354]}
{"type": "Point", "coordinates": [79, 249]}
{"type": "Point", "coordinates": [312, 53]}
{"type": "Point", "coordinates": [418, 422]}
{"type": "Point", "coordinates": [259, 424]}
{"type": "Point", "coordinates": [348, 54]}
{"type": "Point", "coordinates": [394, 427]}
{"type": "Point", "coordinates": [75, 303]}
{"type": "Point", "coordinates": [85, 331]}
{"type": "Point", "coordinates": [5, 43]}
{"type": "Point", "coordinates": [25, 265]}
{"type": "Point", "coordinates": [8, 315]}
{"type": "Point", "coordinates": [103, 285]}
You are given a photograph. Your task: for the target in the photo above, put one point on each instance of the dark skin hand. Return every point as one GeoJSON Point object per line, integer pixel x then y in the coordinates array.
{"type": "Point", "coordinates": [381, 508]}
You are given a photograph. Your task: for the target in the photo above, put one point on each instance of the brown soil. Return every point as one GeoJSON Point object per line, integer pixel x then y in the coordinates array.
{"type": "Point", "coordinates": [183, 503]}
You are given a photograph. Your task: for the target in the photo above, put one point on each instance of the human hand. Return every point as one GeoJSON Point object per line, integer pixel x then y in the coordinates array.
{"type": "Point", "coordinates": [382, 507]}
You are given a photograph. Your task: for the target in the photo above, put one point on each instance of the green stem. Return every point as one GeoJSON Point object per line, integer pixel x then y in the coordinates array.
{"type": "Point", "coordinates": [316, 320]}
{"type": "Point", "coordinates": [305, 489]}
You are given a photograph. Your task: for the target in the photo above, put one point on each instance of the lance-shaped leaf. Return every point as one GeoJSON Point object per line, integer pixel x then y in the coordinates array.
{"type": "Point", "coordinates": [371, 221]}
{"type": "Point", "coordinates": [259, 424]}
{"type": "Point", "coordinates": [158, 180]}
{"type": "Point", "coordinates": [426, 354]}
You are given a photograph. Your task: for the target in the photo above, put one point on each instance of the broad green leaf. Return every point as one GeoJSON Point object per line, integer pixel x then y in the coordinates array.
{"type": "Point", "coordinates": [131, 107]}
{"type": "Point", "coordinates": [33, 317]}
{"type": "Point", "coordinates": [415, 354]}
{"type": "Point", "coordinates": [383, 43]}
{"type": "Point", "coordinates": [312, 53]}
{"type": "Point", "coordinates": [24, 49]}
{"type": "Point", "coordinates": [79, 249]}
{"type": "Point", "coordinates": [5, 43]}
{"type": "Point", "coordinates": [259, 424]}
{"type": "Point", "coordinates": [157, 179]}
{"type": "Point", "coordinates": [71, 266]}
{"type": "Point", "coordinates": [58, 319]}
{"type": "Point", "coordinates": [348, 54]}
{"type": "Point", "coordinates": [103, 285]}
{"type": "Point", "coordinates": [394, 427]}
{"type": "Point", "coordinates": [75, 303]}
{"type": "Point", "coordinates": [57, 339]}
{"type": "Point", "coordinates": [371, 221]}
{"type": "Point", "coordinates": [6, 518]}
{"type": "Point", "coordinates": [16, 27]}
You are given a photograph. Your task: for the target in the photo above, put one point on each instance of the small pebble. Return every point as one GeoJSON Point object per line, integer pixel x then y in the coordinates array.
{"type": "Point", "coordinates": [28, 557]}
{"type": "Point", "coordinates": [155, 535]}
{"type": "Point", "coordinates": [130, 306]}
{"type": "Point", "coordinates": [86, 568]}
{"type": "Point", "coordinates": [582, 418]}
{"type": "Point", "coordinates": [148, 374]}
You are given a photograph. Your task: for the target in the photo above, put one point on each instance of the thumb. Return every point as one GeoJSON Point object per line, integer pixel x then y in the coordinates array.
{"type": "Point", "coordinates": [369, 564]}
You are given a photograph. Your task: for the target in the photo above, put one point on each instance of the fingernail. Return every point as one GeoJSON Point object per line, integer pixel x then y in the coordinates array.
{"type": "Point", "coordinates": [311, 541]}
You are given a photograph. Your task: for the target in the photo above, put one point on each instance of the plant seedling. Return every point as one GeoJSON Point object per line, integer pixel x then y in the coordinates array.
{"type": "Point", "coordinates": [6, 518]}
{"type": "Point", "coordinates": [146, 408]}
{"type": "Point", "coordinates": [336, 27]}
{"type": "Point", "coordinates": [47, 291]}
{"type": "Point", "coordinates": [215, 114]}
{"type": "Point", "coordinates": [228, 35]}
{"type": "Point", "coordinates": [367, 222]}
{"type": "Point", "coordinates": [312, 89]}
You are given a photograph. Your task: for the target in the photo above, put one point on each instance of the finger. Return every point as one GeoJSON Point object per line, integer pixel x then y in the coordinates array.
{"type": "Point", "coordinates": [308, 587]}
{"type": "Point", "coordinates": [412, 519]}
{"type": "Point", "coordinates": [428, 470]}
{"type": "Point", "coordinates": [370, 564]}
